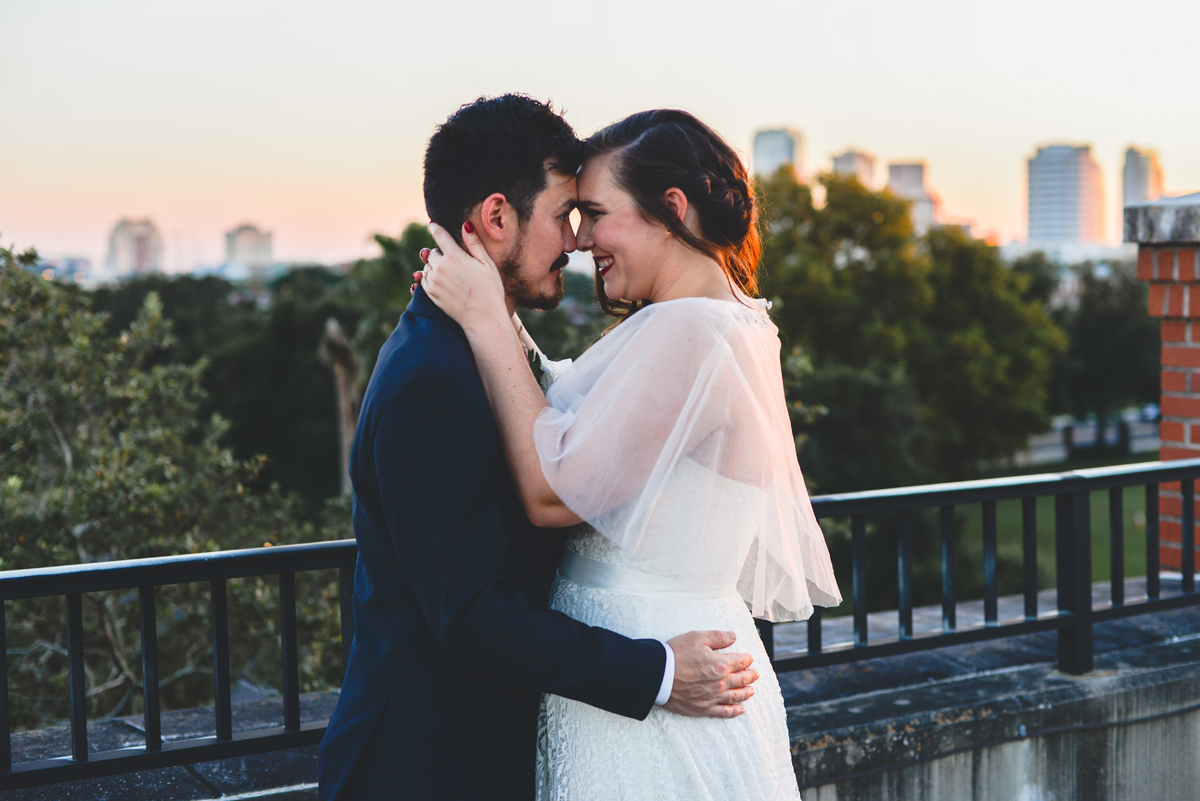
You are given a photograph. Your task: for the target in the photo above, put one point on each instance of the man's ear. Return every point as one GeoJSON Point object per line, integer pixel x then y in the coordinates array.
{"type": "Point", "coordinates": [497, 218]}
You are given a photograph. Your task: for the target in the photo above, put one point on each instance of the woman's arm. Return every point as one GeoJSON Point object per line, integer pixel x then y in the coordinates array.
{"type": "Point", "coordinates": [467, 287]}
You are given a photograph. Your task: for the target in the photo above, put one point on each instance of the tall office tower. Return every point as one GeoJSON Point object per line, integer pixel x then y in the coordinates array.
{"type": "Point", "coordinates": [908, 181]}
{"type": "Point", "coordinates": [1066, 196]}
{"type": "Point", "coordinates": [134, 248]}
{"type": "Point", "coordinates": [1142, 178]}
{"type": "Point", "coordinates": [860, 165]}
{"type": "Point", "coordinates": [250, 247]}
{"type": "Point", "coordinates": [777, 147]}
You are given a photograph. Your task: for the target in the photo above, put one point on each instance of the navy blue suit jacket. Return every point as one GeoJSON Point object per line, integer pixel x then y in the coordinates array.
{"type": "Point", "coordinates": [453, 642]}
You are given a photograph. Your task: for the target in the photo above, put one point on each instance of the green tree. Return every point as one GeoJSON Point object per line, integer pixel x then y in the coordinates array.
{"type": "Point", "coordinates": [104, 455]}
{"type": "Point", "coordinates": [1114, 358]}
{"type": "Point", "coordinates": [379, 289]}
{"type": "Point", "coordinates": [939, 316]}
{"type": "Point", "coordinates": [982, 358]}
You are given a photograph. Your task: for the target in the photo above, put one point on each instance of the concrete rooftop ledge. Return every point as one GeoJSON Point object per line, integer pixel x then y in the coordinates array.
{"type": "Point", "coordinates": [990, 720]}
{"type": "Point", "coordinates": [278, 776]}
{"type": "Point", "coordinates": [1165, 221]}
{"type": "Point", "coordinates": [996, 720]}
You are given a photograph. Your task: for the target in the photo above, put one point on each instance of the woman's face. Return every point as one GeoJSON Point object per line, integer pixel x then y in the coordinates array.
{"type": "Point", "coordinates": [626, 247]}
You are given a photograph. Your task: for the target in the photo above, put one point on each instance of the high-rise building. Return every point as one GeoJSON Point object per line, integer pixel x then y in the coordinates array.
{"type": "Point", "coordinates": [860, 165]}
{"type": "Point", "coordinates": [775, 148]}
{"type": "Point", "coordinates": [907, 180]}
{"type": "Point", "coordinates": [134, 248]}
{"type": "Point", "coordinates": [1066, 196]}
{"type": "Point", "coordinates": [1142, 178]}
{"type": "Point", "coordinates": [249, 247]}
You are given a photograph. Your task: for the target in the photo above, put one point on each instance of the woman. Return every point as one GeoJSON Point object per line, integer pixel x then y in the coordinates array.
{"type": "Point", "coordinates": [670, 437]}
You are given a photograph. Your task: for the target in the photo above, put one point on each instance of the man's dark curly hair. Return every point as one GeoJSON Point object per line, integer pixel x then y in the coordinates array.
{"type": "Point", "coordinates": [496, 144]}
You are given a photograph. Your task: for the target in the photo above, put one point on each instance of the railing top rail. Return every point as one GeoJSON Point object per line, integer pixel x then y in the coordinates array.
{"type": "Point", "coordinates": [124, 574]}
{"type": "Point", "coordinates": [997, 489]}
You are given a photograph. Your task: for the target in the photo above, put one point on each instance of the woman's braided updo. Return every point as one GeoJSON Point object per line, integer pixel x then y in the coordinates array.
{"type": "Point", "coordinates": [665, 148]}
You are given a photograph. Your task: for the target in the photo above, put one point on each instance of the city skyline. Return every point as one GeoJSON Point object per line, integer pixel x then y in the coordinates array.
{"type": "Point", "coordinates": [311, 123]}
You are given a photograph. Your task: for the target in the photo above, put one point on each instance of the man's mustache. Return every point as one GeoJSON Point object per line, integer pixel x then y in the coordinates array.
{"type": "Point", "coordinates": [560, 262]}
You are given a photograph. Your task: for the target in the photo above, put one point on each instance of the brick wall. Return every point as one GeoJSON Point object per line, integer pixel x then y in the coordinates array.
{"type": "Point", "coordinates": [1173, 272]}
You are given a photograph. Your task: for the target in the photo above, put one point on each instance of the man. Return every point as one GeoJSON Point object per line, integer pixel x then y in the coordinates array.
{"type": "Point", "coordinates": [453, 642]}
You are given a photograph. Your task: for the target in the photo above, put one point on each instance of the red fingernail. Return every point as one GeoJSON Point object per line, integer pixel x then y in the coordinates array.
{"type": "Point", "coordinates": [470, 229]}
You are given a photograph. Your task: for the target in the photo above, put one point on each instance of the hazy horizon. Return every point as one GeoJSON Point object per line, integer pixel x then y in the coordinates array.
{"type": "Point", "coordinates": [310, 121]}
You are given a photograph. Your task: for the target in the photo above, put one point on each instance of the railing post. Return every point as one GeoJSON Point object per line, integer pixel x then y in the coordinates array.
{"type": "Point", "coordinates": [76, 677]}
{"type": "Point", "coordinates": [290, 650]}
{"type": "Point", "coordinates": [150, 697]}
{"type": "Point", "coordinates": [766, 633]}
{"type": "Point", "coordinates": [949, 608]}
{"type": "Point", "coordinates": [858, 547]}
{"type": "Point", "coordinates": [5, 740]}
{"type": "Point", "coordinates": [222, 707]}
{"type": "Point", "coordinates": [1073, 535]}
{"type": "Point", "coordinates": [904, 572]}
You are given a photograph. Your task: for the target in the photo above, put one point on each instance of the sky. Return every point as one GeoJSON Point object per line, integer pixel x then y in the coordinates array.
{"type": "Point", "coordinates": [310, 119]}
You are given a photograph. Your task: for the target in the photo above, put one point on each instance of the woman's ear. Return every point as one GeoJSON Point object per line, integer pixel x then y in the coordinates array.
{"type": "Point", "coordinates": [677, 201]}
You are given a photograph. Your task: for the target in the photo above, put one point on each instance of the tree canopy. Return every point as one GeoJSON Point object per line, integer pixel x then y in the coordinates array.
{"type": "Point", "coordinates": [938, 318]}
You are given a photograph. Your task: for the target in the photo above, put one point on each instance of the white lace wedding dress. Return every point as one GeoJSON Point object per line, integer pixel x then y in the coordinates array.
{"type": "Point", "coordinates": [671, 438]}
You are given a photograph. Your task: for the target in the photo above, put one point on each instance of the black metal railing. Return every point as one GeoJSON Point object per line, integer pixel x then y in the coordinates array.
{"type": "Point", "coordinates": [72, 581]}
{"type": "Point", "coordinates": [1073, 619]}
{"type": "Point", "coordinates": [1075, 615]}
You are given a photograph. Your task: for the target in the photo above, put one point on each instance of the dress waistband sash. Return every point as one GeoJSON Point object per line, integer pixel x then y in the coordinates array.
{"type": "Point", "coordinates": [588, 572]}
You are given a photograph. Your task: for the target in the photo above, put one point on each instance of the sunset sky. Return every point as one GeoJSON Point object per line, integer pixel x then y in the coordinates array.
{"type": "Point", "coordinates": [309, 119]}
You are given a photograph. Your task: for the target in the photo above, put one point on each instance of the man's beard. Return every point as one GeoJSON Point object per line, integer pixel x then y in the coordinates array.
{"type": "Point", "coordinates": [521, 292]}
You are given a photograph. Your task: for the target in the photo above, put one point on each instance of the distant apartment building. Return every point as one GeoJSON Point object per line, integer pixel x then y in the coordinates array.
{"type": "Point", "coordinates": [776, 147]}
{"type": "Point", "coordinates": [907, 180]}
{"type": "Point", "coordinates": [1066, 197]}
{"type": "Point", "coordinates": [135, 247]}
{"type": "Point", "coordinates": [1142, 178]}
{"type": "Point", "coordinates": [860, 165]}
{"type": "Point", "coordinates": [248, 246]}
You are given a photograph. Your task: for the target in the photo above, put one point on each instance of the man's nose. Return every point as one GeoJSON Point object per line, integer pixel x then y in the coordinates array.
{"type": "Point", "coordinates": [570, 242]}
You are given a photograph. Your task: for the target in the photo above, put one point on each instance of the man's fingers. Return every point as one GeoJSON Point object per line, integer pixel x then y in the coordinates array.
{"type": "Point", "coordinates": [743, 678]}
{"type": "Point", "coordinates": [734, 663]}
{"type": "Point", "coordinates": [726, 711]}
{"type": "Point", "coordinates": [737, 696]}
{"type": "Point", "coordinates": [717, 640]}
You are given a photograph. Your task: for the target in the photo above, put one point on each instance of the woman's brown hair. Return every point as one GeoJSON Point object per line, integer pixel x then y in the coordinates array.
{"type": "Point", "coordinates": [665, 148]}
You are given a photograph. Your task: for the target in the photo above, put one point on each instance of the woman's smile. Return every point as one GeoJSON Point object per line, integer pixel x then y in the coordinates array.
{"type": "Point", "coordinates": [603, 264]}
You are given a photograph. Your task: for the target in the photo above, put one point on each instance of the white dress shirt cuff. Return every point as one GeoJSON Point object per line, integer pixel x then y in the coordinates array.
{"type": "Point", "coordinates": [668, 681]}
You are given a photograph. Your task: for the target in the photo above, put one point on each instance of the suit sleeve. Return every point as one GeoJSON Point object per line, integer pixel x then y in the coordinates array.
{"type": "Point", "coordinates": [440, 468]}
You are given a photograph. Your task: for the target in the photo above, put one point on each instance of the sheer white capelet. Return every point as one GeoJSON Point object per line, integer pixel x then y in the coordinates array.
{"type": "Point", "coordinates": [671, 437]}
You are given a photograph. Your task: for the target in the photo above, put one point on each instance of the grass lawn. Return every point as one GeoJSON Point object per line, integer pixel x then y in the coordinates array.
{"type": "Point", "coordinates": [969, 545]}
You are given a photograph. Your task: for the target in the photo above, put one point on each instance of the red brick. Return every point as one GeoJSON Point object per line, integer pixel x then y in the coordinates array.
{"type": "Point", "coordinates": [1174, 331]}
{"type": "Point", "coordinates": [1155, 306]}
{"type": "Point", "coordinates": [1169, 558]}
{"type": "Point", "coordinates": [1170, 531]}
{"type": "Point", "coordinates": [1193, 304]}
{"type": "Point", "coordinates": [1180, 357]}
{"type": "Point", "coordinates": [1166, 265]}
{"type": "Point", "coordinates": [1145, 268]}
{"type": "Point", "coordinates": [1175, 300]}
{"type": "Point", "coordinates": [1171, 432]}
{"type": "Point", "coordinates": [1169, 488]}
{"type": "Point", "coordinates": [1181, 407]}
{"type": "Point", "coordinates": [1187, 265]}
{"type": "Point", "coordinates": [1169, 452]}
{"type": "Point", "coordinates": [1172, 507]}
{"type": "Point", "coordinates": [1174, 381]}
